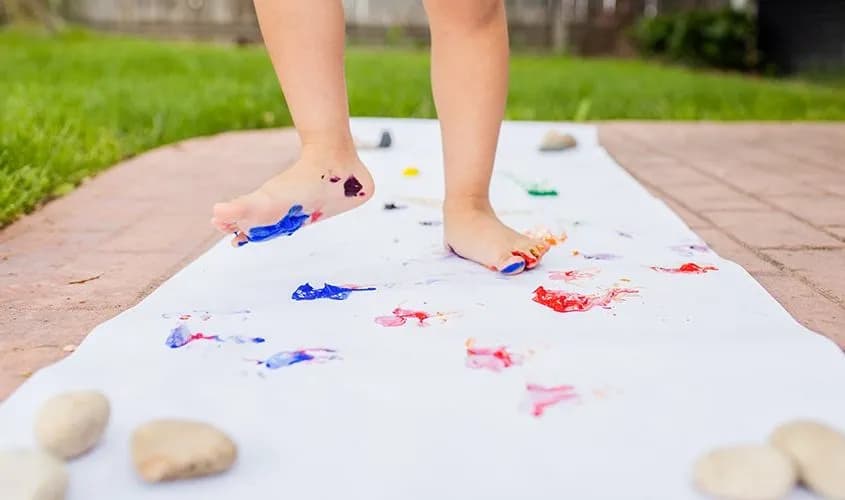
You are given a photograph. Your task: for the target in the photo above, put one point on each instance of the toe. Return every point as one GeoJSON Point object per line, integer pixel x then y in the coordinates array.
{"type": "Point", "coordinates": [513, 264]}
{"type": "Point", "coordinates": [532, 251]}
{"type": "Point", "coordinates": [240, 239]}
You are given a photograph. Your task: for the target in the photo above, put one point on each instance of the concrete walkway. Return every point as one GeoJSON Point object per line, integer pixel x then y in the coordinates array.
{"type": "Point", "coordinates": [771, 197]}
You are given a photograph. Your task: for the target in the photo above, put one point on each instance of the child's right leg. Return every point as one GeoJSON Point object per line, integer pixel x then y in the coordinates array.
{"type": "Point", "coordinates": [305, 42]}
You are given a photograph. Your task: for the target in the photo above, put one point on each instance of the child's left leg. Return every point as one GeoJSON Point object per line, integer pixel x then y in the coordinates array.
{"type": "Point", "coordinates": [469, 75]}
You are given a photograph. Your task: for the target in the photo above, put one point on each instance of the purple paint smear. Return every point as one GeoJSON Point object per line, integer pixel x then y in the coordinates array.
{"type": "Point", "coordinates": [307, 292]}
{"type": "Point", "coordinates": [352, 187]}
{"type": "Point", "coordinates": [288, 358]}
{"type": "Point", "coordinates": [601, 256]}
{"type": "Point", "coordinates": [182, 336]}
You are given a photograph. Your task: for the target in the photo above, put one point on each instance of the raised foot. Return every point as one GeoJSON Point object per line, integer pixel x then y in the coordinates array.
{"type": "Point", "coordinates": [301, 195]}
{"type": "Point", "coordinates": [475, 233]}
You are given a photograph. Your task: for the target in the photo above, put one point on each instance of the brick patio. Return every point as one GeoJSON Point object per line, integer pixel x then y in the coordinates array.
{"type": "Point", "coordinates": [770, 197]}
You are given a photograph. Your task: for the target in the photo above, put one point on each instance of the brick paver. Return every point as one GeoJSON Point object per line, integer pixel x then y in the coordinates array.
{"type": "Point", "coordinates": [769, 196]}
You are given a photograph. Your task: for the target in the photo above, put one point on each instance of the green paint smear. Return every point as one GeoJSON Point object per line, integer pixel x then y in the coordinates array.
{"type": "Point", "coordinates": [538, 191]}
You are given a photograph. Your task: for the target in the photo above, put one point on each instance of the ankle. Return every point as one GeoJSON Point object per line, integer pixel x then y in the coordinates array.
{"type": "Point", "coordinates": [332, 152]}
{"type": "Point", "coordinates": [467, 203]}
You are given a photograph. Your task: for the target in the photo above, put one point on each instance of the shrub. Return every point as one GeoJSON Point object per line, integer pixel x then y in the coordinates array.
{"type": "Point", "coordinates": [721, 39]}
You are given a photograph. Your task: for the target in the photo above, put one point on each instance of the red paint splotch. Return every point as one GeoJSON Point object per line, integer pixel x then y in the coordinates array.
{"type": "Point", "coordinates": [573, 275]}
{"type": "Point", "coordinates": [540, 397]}
{"type": "Point", "coordinates": [563, 301]}
{"type": "Point", "coordinates": [530, 260]}
{"type": "Point", "coordinates": [401, 316]}
{"type": "Point", "coordinates": [316, 215]}
{"type": "Point", "coordinates": [494, 359]}
{"type": "Point", "coordinates": [688, 268]}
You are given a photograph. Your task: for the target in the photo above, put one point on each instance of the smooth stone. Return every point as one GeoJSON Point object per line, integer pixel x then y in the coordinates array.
{"type": "Point", "coordinates": [818, 451]}
{"type": "Point", "coordinates": [556, 141]}
{"type": "Point", "coordinates": [745, 472]}
{"type": "Point", "coordinates": [71, 423]}
{"type": "Point", "coordinates": [31, 475]}
{"type": "Point", "coordinates": [168, 449]}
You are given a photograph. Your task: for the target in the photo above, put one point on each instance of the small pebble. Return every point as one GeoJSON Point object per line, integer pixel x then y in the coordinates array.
{"type": "Point", "coordinates": [31, 475]}
{"type": "Point", "coordinates": [411, 172]}
{"type": "Point", "coordinates": [818, 451]}
{"type": "Point", "coordinates": [70, 424]}
{"type": "Point", "coordinates": [745, 472]}
{"type": "Point", "coordinates": [556, 141]}
{"type": "Point", "coordinates": [164, 450]}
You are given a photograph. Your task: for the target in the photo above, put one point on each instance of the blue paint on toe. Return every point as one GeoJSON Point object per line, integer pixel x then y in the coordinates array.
{"type": "Point", "coordinates": [242, 243]}
{"type": "Point", "coordinates": [289, 224]}
{"type": "Point", "coordinates": [513, 268]}
{"type": "Point", "coordinates": [307, 292]}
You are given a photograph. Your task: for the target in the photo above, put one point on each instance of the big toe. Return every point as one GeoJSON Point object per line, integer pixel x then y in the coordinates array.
{"type": "Point", "coordinates": [531, 251]}
{"type": "Point", "coordinates": [513, 264]}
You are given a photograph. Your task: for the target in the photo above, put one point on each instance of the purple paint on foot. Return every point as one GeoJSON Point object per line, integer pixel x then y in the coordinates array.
{"type": "Point", "coordinates": [351, 187]}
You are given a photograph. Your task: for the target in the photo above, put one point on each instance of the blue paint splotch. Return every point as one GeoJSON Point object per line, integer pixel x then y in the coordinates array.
{"type": "Point", "coordinates": [182, 336]}
{"type": "Point", "coordinates": [334, 292]}
{"type": "Point", "coordinates": [288, 358]}
{"type": "Point", "coordinates": [289, 224]}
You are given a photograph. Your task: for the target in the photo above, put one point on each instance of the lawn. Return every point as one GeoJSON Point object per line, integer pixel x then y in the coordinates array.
{"type": "Point", "coordinates": [75, 103]}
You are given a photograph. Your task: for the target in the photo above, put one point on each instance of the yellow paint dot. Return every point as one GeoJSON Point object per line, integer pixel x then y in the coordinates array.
{"type": "Point", "coordinates": [411, 172]}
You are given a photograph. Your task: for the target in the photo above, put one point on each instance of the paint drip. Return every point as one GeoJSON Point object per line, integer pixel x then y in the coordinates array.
{"type": "Point", "coordinates": [393, 206]}
{"type": "Point", "coordinates": [289, 358]}
{"type": "Point", "coordinates": [333, 292]}
{"type": "Point", "coordinates": [411, 171]}
{"type": "Point", "coordinates": [289, 224]}
{"type": "Point", "coordinates": [401, 316]}
{"type": "Point", "coordinates": [540, 398]}
{"type": "Point", "coordinates": [182, 336]}
{"type": "Point", "coordinates": [494, 359]}
{"type": "Point", "coordinates": [563, 301]}
{"type": "Point", "coordinates": [688, 268]}
{"type": "Point", "coordinates": [573, 275]}
{"type": "Point", "coordinates": [430, 223]}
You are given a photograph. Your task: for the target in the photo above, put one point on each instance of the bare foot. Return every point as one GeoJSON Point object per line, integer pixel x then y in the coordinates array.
{"type": "Point", "coordinates": [473, 231]}
{"type": "Point", "coordinates": [308, 191]}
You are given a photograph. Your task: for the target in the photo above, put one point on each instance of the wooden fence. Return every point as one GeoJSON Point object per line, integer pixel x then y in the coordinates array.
{"type": "Point", "coordinates": [579, 26]}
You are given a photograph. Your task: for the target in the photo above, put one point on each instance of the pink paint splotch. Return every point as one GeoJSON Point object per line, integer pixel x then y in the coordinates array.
{"type": "Point", "coordinates": [573, 274]}
{"type": "Point", "coordinates": [687, 268]}
{"type": "Point", "coordinates": [401, 316]}
{"type": "Point", "coordinates": [563, 301]}
{"type": "Point", "coordinates": [540, 398]}
{"type": "Point", "coordinates": [494, 359]}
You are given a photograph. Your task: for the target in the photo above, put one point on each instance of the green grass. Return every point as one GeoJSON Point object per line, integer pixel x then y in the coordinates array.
{"type": "Point", "coordinates": [75, 103]}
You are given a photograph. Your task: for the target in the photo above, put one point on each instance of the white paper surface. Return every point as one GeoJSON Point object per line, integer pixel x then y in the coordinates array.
{"type": "Point", "coordinates": [689, 363]}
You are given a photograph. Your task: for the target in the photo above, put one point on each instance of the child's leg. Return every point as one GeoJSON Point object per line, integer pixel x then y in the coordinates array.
{"type": "Point", "coordinates": [305, 42]}
{"type": "Point", "coordinates": [469, 72]}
